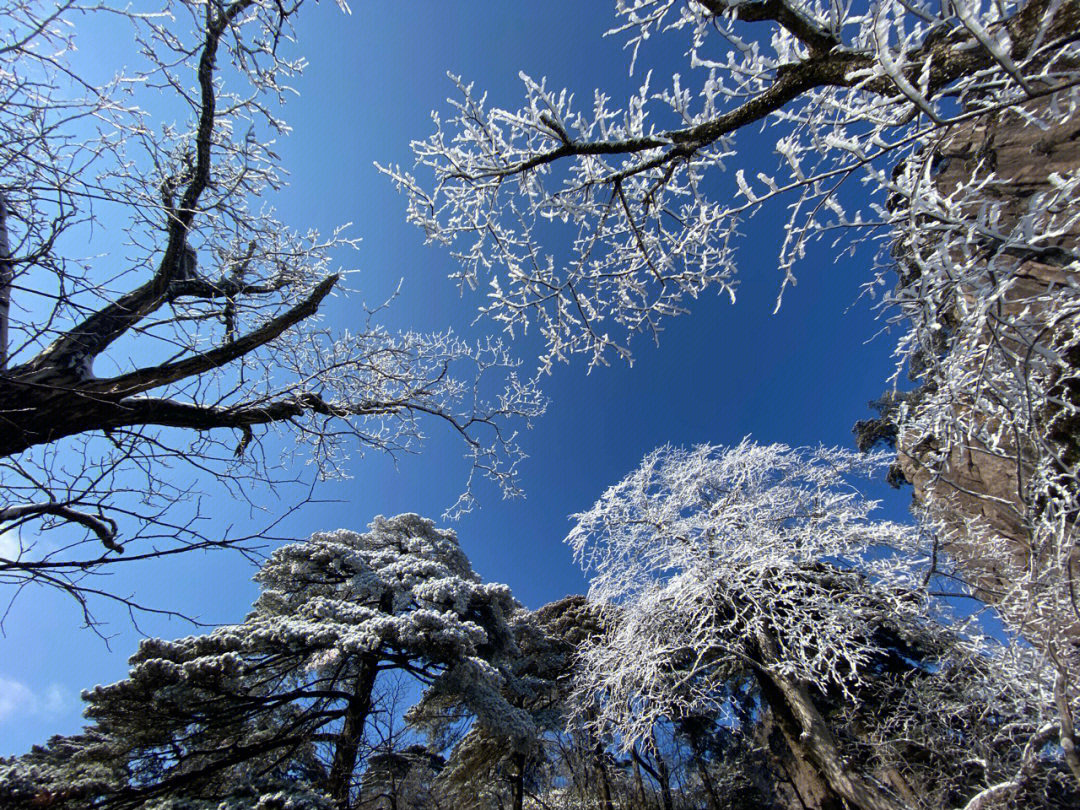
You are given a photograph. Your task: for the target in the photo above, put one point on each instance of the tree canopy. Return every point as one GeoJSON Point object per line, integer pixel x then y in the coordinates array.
{"type": "Point", "coordinates": [719, 568]}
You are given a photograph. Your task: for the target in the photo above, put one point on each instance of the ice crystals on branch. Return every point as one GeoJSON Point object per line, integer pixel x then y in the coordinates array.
{"type": "Point", "coordinates": [708, 550]}
{"type": "Point", "coordinates": [849, 92]}
{"type": "Point", "coordinates": [181, 351]}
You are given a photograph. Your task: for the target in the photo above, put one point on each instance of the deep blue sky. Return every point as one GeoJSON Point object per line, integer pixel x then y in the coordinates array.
{"type": "Point", "coordinates": [801, 376]}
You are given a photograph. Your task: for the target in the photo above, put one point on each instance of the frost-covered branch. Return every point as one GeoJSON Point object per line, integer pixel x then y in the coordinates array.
{"type": "Point", "coordinates": [201, 340]}
{"type": "Point", "coordinates": [638, 186]}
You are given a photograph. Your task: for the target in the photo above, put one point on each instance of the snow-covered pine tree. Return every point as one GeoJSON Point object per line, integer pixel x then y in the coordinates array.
{"type": "Point", "coordinates": [274, 709]}
{"type": "Point", "coordinates": [484, 762]}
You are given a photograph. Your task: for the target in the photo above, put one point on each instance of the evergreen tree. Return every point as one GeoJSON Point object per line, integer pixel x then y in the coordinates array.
{"type": "Point", "coordinates": [275, 708]}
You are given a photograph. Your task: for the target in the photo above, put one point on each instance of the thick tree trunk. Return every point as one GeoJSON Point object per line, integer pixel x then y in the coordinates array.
{"type": "Point", "coordinates": [519, 781]}
{"type": "Point", "coordinates": [809, 790]}
{"type": "Point", "coordinates": [809, 736]}
{"type": "Point", "coordinates": [352, 731]}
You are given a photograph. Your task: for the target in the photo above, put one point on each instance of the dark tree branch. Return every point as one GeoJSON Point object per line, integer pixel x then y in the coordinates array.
{"type": "Point", "coordinates": [149, 378]}
{"type": "Point", "coordinates": [831, 67]}
{"type": "Point", "coordinates": [817, 40]}
{"type": "Point", "coordinates": [103, 527]}
{"type": "Point", "coordinates": [91, 337]}
{"type": "Point", "coordinates": [169, 413]}
{"type": "Point", "coordinates": [7, 277]}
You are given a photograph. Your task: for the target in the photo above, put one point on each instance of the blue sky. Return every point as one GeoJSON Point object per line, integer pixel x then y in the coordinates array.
{"type": "Point", "coordinates": [800, 376]}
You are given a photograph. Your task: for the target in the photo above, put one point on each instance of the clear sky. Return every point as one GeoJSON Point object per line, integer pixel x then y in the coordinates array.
{"type": "Point", "coordinates": [801, 376]}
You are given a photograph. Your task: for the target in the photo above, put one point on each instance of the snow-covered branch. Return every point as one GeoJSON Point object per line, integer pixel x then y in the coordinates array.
{"type": "Point", "coordinates": [639, 187]}
{"type": "Point", "coordinates": [206, 325]}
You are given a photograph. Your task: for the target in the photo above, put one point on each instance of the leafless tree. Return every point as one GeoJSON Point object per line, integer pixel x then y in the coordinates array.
{"type": "Point", "coordinates": [131, 377]}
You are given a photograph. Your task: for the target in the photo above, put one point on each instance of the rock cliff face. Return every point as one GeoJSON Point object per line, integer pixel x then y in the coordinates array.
{"type": "Point", "coordinates": [1002, 467]}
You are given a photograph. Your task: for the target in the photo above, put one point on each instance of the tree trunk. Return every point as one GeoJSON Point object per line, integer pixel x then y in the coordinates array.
{"type": "Point", "coordinates": [810, 738]}
{"type": "Point", "coordinates": [356, 714]}
{"type": "Point", "coordinates": [601, 771]}
{"type": "Point", "coordinates": [7, 278]}
{"type": "Point", "coordinates": [605, 786]}
{"type": "Point", "coordinates": [639, 780]}
{"type": "Point", "coordinates": [660, 774]}
{"type": "Point", "coordinates": [665, 782]}
{"type": "Point", "coordinates": [664, 775]}
{"type": "Point", "coordinates": [706, 780]}
{"type": "Point", "coordinates": [519, 781]}
{"type": "Point", "coordinates": [352, 731]}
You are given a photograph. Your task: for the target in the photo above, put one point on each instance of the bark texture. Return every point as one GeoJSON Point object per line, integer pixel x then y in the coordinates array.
{"type": "Point", "coordinates": [821, 775]}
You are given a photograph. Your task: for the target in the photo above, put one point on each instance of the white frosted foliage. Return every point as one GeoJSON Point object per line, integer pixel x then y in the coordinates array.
{"type": "Point", "coordinates": [713, 561]}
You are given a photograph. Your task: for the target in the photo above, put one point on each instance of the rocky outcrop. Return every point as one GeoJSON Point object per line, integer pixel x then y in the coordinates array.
{"type": "Point", "coordinates": [989, 483]}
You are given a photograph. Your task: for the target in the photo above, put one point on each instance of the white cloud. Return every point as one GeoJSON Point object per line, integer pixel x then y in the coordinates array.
{"type": "Point", "coordinates": [10, 545]}
{"type": "Point", "coordinates": [17, 699]}
{"type": "Point", "coordinates": [55, 700]}
{"type": "Point", "coordinates": [15, 545]}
